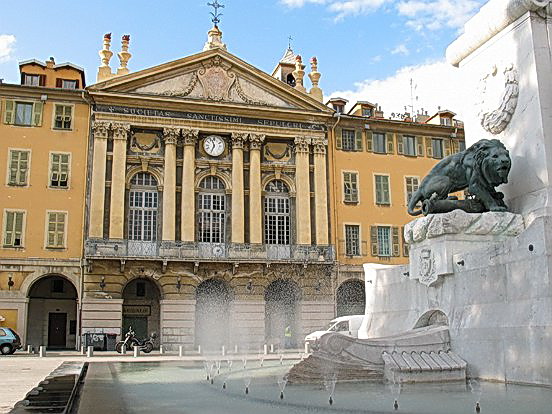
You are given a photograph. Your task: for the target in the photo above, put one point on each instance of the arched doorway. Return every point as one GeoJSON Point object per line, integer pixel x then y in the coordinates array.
{"type": "Point", "coordinates": [141, 308]}
{"type": "Point", "coordinates": [212, 315]}
{"type": "Point", "coordinates": [282, 311]}
{"type": "Point", "coordinates": [432, 317]}
{"type": "Point", "coordinates": [351, 298]}
{"type": "Point", "coordinates": [52, 314]}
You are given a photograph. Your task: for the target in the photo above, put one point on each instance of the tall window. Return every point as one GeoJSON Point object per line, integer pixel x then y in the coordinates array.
{"type": "Point", "coordinates": [13, 228]}
{"type": "Point", "coordinates": [56, 229]}
{"type": "Point", "coordinates": [64, 116]}
{"type": "Point", "coordinates": [31, 80]}
{"type": "Point", "coordinates": [352, 240]}
{"type": "Point", "coordinates": [384, 241]}
{"type": "Point", "coordinates": [379, 143]}
{"type": "Point", "coordinates": [18, 167]}
{"type": "Point", "coordinates": [412, 184]}
{"type": "Point", "coordinates": [143, 207]}
{"type": "Point", "coordinates": [23, 113]}
{"type": "Point", "coordinates": [437, 147]}
{"type": "Point", "coordinates": [382, 189]}
{"type": "Point", "coordinates": [59, 170]}
{"type": "Point", "coordinates": [211, 210]}
{"type": "Point", "coordinates": [350, 187]}
{"type": "Point", "coordinates": [348, 139]}
{"type": "Point", "coordinates": [409, 145]}
{"type": "Point", "coordinates": [277, 213]}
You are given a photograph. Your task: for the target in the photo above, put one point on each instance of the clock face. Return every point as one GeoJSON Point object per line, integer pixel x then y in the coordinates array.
{"type": "Point", "coordinates": [213, 145]}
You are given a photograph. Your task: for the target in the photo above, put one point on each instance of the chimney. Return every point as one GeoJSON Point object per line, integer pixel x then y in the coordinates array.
{"type": "Point", "coordinates": [124, 55]}
{"type": "Point", "coordinates": [314, 76]}
{"type": "Point", "coordinates": [299, 74]}
{"type": "Point", "coordinates": [104, 71]}
{"type": "Point", "coordinates": [50, 63]}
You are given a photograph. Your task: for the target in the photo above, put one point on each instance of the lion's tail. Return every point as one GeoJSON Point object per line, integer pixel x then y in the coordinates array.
{"type": "Point", "coordinates": [416, 197]}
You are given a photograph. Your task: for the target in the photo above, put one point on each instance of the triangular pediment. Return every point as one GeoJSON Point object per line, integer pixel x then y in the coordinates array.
{"type": "Point", "coordinates": [212, 76]}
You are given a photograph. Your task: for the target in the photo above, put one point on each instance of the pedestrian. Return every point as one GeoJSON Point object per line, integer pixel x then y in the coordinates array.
{"type": "Point", "coordinates": [287, 337]}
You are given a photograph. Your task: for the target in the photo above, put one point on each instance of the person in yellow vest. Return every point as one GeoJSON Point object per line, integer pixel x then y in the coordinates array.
{"type": "Point", "coordinates": [287, 337]}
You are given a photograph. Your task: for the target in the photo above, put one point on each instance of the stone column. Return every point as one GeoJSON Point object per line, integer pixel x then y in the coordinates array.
{"type": "Point", "coordinates": [170, 136]}
{"type": "Point", "coordinates": [100, 130]}
{"type": "Point", "coordinates": [118, 181]}
{"type": "Point", "coordinates": [187, 214]}
{"type": "Point", "coordinates": [302, 184]}
{"type": "Point", "coordinates": [320, 190]}
{"type": "Point", "coordinates": [255, 205]}
{"type": "Point", "coordinates": [238, 233]}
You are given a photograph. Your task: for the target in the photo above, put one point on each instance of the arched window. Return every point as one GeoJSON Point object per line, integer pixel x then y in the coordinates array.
{"type": "Point", "coordinates": [143, 207]}
{"type": "Point", "coordinates": [290, 80]}
{"type": "Point", "coordinates": [277, 213]}
{"type": "Point", "coordinates": [211, 210]}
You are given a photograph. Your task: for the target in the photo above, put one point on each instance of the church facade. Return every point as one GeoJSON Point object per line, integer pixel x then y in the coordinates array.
{"type": "Point", "coordinates": [208, 202]}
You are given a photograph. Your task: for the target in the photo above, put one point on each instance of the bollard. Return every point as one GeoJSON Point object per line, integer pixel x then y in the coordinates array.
{"type": "Point", "coordinates": [90, 352]}
{"type": "Point", "coordinates": [136, 351]}
{"type": "Point", "coordinates": [265, 349]}
{"type": "Point", "coordinates": [83, 350]}
{"type": "Point", "coordinates": [223, 350]}
{"type": "Point", "coordinates": [123, 349]}
{"type": "Point", "coordinates": [42, 351]}
{"type": "Point", "coordinates": [180, 351]}
{"type": "Point", "coordinates": [236, 348]}
{"type": "Point", "coordinates": [161, 350]}
{"type": "Point", "coordinates": [29, 349]}
{"type": "Point", "coordinates": [199, 349]}
{"type": "Point", "coordinates": [271, 348]}
{"type": "Point", "coordinates": [306, 347]}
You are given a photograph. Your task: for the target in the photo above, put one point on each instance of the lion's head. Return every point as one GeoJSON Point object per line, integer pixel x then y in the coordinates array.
{"type": "Point", "coordinates": [492, 161]}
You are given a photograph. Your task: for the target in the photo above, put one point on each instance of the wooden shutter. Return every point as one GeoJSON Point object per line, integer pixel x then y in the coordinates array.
{"type": "Point", "coordinates": [390, 141]}
{"type": "Point", "coordinates": [455, 146]}
{"type": "Point", "coordinates": [446, 145]}
{"type": "Point", "coordinates": [338, 138]}
{"type": "Point", "coordinates": [396, 245]}
{"type": "Point", "coordinates": [358, 140]}
{"type": "Point", "coordinates": [42, 80]}
{"type": "Point", "coordinates": [429, 149]}
{"type": "Point", "coordinates": [17, 238]}
{"type": "Point", "coordinates": [374, 240]}
{"type": "Point", "coordinates": [419, 147]}
{"type": "Point", "coordinates": [9, 112]}
{"type": "Point", "coordinates": [369, 141]}
{"type": "Point", "coordinates": [77, 84]}
{"type": "Point", "coordinates": [22, 78]}
{"type": "Point", "coordinates": [37, 113]}
{"type": "Point", "coordinates": [400, 144]}
{"type": "Point", "coordinates": [23, 167]}
{"type": "Point", "coordinates": [405, 245]}
{"type": "Point", "coordinates": [59, 83]}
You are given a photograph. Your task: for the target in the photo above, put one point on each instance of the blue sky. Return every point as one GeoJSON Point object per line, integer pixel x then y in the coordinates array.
{"type": "Point", "coordinates": [366, 49]}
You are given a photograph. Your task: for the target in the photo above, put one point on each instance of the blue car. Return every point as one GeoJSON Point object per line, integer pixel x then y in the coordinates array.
{"type": "Point", "coordinates": [9, 341]}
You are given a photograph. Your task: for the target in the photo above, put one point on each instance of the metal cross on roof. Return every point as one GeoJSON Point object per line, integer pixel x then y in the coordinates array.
{"type": "Point", "coordinates": [289, 42]}
{"type": "Point", "coordinates": [215, 5]}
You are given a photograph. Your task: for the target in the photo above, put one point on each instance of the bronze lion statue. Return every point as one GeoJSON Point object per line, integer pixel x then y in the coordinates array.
{"type": "Point", "coordinates": [480, 168]}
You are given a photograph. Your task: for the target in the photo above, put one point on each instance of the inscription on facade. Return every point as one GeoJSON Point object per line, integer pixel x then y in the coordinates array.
{"type": "Point", "coordinates": [196, 116]}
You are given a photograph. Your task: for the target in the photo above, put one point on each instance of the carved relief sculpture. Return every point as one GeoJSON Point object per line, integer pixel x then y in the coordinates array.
{"type": "Point", "coordinates": [480, 168]}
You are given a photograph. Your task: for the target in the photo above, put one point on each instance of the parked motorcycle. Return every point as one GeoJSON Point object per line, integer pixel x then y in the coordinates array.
{"type": "Point", "coordinates": [146, 345]}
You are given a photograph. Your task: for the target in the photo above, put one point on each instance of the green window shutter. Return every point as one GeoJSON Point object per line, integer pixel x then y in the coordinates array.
{"type": "Point", "coordinates": [455, 146]}
{"type": "Point", "coordinates": [385, 188]}
{"type": "Point", "coordinates": [14, 167]}
{"type": "Point", "coordinates": [369, 141]}
{"type": "Point", "coordinates": [446, 145]}
{"type": "Point", "coordinates": [37, 113]}
{"type": "Point", "coordinates": [338, 140]}
{"type": "Point", "coordinates": [396, 245]}
{"type": "Point", "coordinates": [18, 229]}
{"type": "Point", "coordinates": [419, 146]}
{"type": "Point", "coordinates": [400, 144]}
{"type": "Point", "coordinates": [8, 231]}
{"type": "Point", "coordinates": [9, 112]}
{"type": "Point", "coordinates": [429, 149]}
{"type": "Point", "coordinates": [358, 140]}
{"type": "Point", "coordinates": [374, 240]}
{"type": "Point", "coordinates": [390, 143]}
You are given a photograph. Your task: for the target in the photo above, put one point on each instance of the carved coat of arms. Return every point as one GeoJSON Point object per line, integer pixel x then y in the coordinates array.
{"type": "Point", "coordinates": [428, 274]}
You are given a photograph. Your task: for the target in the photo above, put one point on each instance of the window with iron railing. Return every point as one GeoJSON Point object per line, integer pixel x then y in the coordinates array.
{"type": "Point", "coordinates": [277, 213]}
{"type": "Point", "coordinates": [143, 207]}
{"type": "Point", "coordinates": [211, 210]}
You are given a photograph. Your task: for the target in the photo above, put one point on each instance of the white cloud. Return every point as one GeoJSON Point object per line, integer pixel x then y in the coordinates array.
{"type": "Point", "coordinates": [7, 43]}
{"type": "Point", "coordinates": [376, 59]}
{"type": "Point", "coordinates": [341, 8]}
{"type": "Point", "coordinates": [400, 50]}
{"type": "Point", "coordinates": [300, 3]}
{"type": "Point", "coordinates": [436, 84]}
{"type": "Point", "coordinates": [436, 14]}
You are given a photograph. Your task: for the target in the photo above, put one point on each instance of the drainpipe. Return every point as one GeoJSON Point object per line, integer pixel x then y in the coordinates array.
{"type": "Point", "coordinates": [334, 285]}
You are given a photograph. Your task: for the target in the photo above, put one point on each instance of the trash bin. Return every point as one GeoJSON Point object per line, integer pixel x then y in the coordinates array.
{"type": "Point", "coordinates": [111, 342]}
{"type": "Point", "coordinates": [97, 340]}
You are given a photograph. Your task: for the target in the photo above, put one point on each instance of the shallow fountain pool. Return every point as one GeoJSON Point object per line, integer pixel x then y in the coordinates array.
{"type": "Point", "coordinates": [182, 387]}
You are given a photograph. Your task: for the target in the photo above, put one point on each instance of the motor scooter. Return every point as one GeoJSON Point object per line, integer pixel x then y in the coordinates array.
{"type": "Point", "coordinates": [146, 345]}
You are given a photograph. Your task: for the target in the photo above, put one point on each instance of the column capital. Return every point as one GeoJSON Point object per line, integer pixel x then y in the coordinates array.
{"type": "Point", "coordinates": [171, 135]}
{"type": "Point", "coordinates": [100, 129]}
{"type": "Point", "coordinates": [256, 141]}
{"type": "Point", "coordinates": [238, 139]}
{"type": "Point", "coordinates": [319, 145]}
{"type": "Point", "coordinates": [189, 136]}
{"type": "Point", "coordinates": [120, 130]}
{"type": "Point", "coordinates": [302, 145]}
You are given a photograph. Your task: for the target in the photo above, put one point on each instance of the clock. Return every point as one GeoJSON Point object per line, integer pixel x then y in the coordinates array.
{"type": "Point", "coordinates": [213, 145]}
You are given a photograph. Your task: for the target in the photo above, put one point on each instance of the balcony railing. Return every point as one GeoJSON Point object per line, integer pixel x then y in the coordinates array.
{"type": "Point", "coordinates": [127, 249]}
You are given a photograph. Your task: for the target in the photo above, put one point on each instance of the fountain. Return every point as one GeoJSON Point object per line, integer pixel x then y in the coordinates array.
{"type": "Point", "coordinates": [282, 385]}
{"type": "Point", "coordinates": [329, 384]}
{"type": "Point", "coordinates": [246, 381]}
